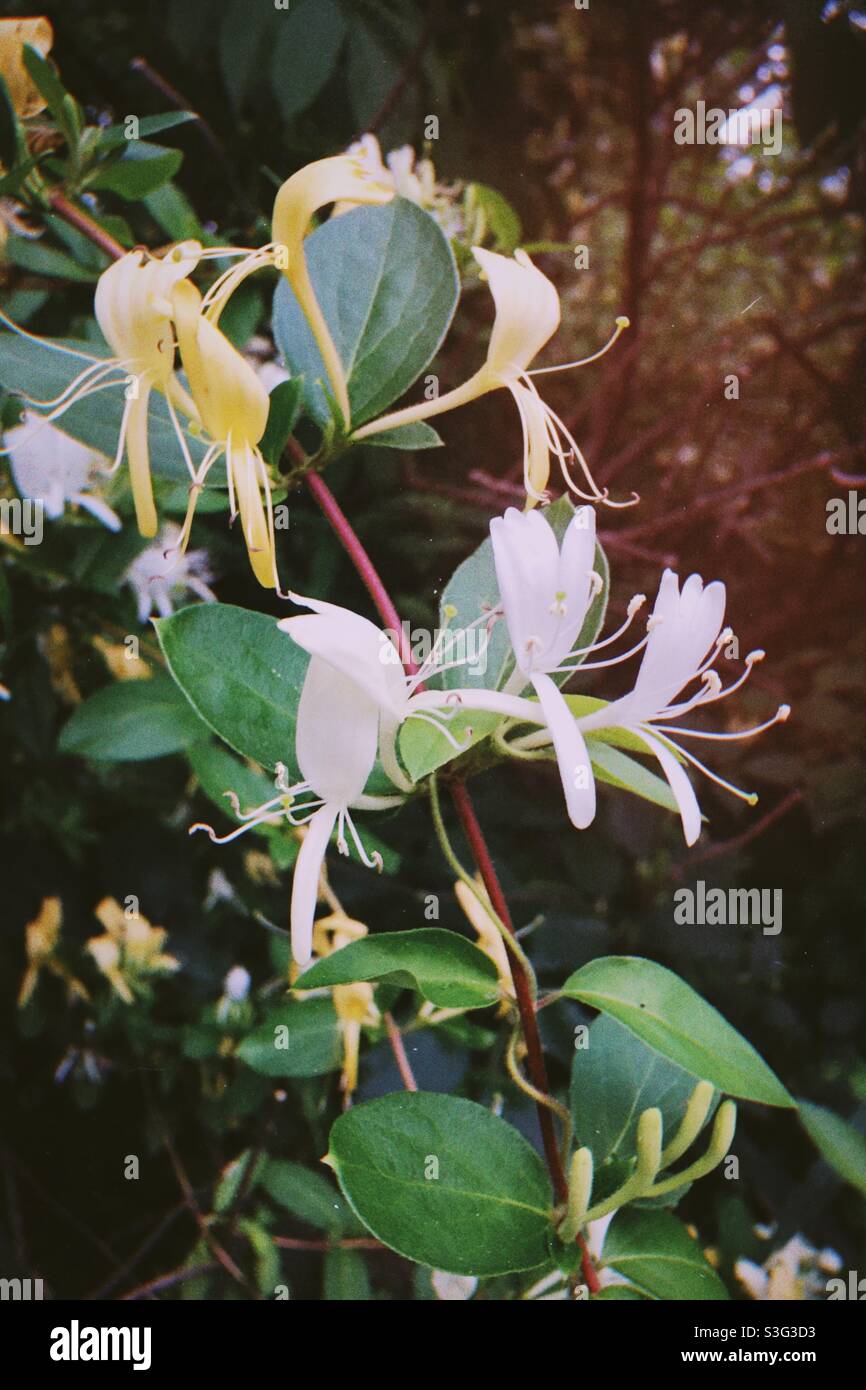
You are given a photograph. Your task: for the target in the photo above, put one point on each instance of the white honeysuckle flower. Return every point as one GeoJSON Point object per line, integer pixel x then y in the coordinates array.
{"type": "Point", "coordinates": [546, 594]}
{"type": "Point", "coordinates": [365, 654]}
{"type": "Point", "coordinates": [237, 984]}
{"type": "Point", "coordinates": [161, 575]}
{"type": "Point", "coordinates": [336, 736]}
{"type": "Point", "coordinates": [51, 467]}
{"type": "Point", "coordinates": [684, 639]}
{"type": "Point", "coordinates": [453, 1288]}
{"type": "Point", "coordinates": [527, 316]}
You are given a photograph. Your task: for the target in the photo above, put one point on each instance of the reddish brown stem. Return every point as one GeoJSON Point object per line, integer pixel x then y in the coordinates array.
{"type": "Point", "coordinates": [404, 1067]}
{"type": "Point", "coordinates": [78, 218]}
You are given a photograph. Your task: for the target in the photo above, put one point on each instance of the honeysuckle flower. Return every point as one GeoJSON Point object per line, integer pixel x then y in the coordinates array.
{"type": "Point", "coordinates": [348, 177]}
{"type": "Point", "coordinates": [362, 652]}
{"type": "Point", "coordinates": [133, 307]}
{"type": "Point", "coordinates": [232, 405]}
{"type": "Point", "coordinates": [236, 988]}
{"type": "Point", "coordinates": [335, 747]}
{"type": "Point", "coordinates": [163, 574]}
{"type": "Point", "coordinates": [527, 316]}
{"type": "Point", "coordinates": [489, 937]}
{"type": "Point", "coordinates": [130, 950]}
{"type": "Point", "coordinates": [51, 467]}
{"type": "Point", "coordinates": [42, 939]}
{"type": "Point", "coordinates": [26, 98]}
{"type": "Point", "coordinates": [797, 1271]}
{"type": "Point", "coordinates": [354, 1003]}
{"type": "Point", "coordinates": [684, 640]}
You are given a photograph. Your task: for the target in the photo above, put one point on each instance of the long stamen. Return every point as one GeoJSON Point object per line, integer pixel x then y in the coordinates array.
{"type": "Point", "coordinates": [634, 608]}
{"type": "Point", "coordinates": [458, 744]}
{"type": "Point", "coordinates": [622, 323]}
{"type": "Point", "coordinates": [750, 797]}
{"type": "Point", "coordinates": [181, 438]}
{"type": "Point", "coordinates": [95, 371]}
{"type": "Point", "coordinates": [271, 816]}
{"type": "Point", "coordinates": [610, 661]}
{"type": "Point", "coordinates": [373, 861]}
{"type": "Point", "coordinates": [782, 713]}
{"type": "Point", "coordinates": [232, 798]}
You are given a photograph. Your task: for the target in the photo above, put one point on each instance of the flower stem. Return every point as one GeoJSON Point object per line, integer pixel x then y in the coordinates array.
{"type": "Point", "coordinates": [78, 218]}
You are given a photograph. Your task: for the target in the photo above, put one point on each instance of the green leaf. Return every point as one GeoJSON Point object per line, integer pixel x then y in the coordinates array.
{"type": "Point", "coordinates": [667, 1014]}
{"type": "Point", "coordinates": [219, 771]}
{"type": "Point", "coordinates": [613, 1080]}
{"type": "Point", "coordinates": [387, 285]}
{"type": "Point", "coordinates": [346, 1277]}
{"type": "Point", "coordinates": [115, 137]}
{"type": "Point", "coordinates": [41, 371]}
{"type": "Point", "coordinates": [47, 260]}
{"type": "Point", "coordinates": [423, 748]}
{"type": "Point", "coordinates": [234, 1174]}
{"type": "Point", "coordinates": [616, 768]}
{"type": "Point", "coordinates": [8, 128]}
{"type": "Point", "coordinates": [444, 1182]}
{"type": "Point", "coordinates": [306, 53]}
{"type": "Point", "coordinates": [419, 435]}
{"type": "Point", "coordinates": [49, 85]}
{"type": "Point", "coordinates": [493, 213]}
{"type": "Point", "coordinates": [843, 1147]}
{"type": "Point", "coordinates": [283, 411]}
{"type": "Point", "coordinates": [307, 1195]}
{"type": "Point", "coordinates": [132, 721]}
{"type": "Point", "coordinates": [294, 1040]}
{"type": "Point", "coordinates": [173, 212]}
{"type": "Point", "coordinates": [655, 1251]}
{"type": "Point", "coordinates": [241, 673]}
{"type": "Point", "coordinates": [142, 169]}
{"type": "Point", "coordinates": [444, 967]}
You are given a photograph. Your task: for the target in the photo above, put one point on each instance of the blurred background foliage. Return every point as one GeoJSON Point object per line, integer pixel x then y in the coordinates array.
{"type": "Point", "coordinates": [727, 262]}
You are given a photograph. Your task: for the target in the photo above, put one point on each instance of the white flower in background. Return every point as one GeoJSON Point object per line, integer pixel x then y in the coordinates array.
{"type": "Point", "coordinates": [161, 576]}
{"type": "Point", "coordinates": [684, 639]}
{"type": "Point", "coordinates": [49, 466]}
{"type": "Point", "coordinates": [527, 315]}
{"type": "Point", "coordinates": [546, 594]}
{"type": "Point", "coordinates": [362, 652]}
{"type": "Point", "coordinates": [797, 1271]}
{"type": "Point", "coordinates": [236, 988]}
{"type": "Point", "coordinates": [453, 1288]}
{"type": "Point", "coordinates": [408, 177]}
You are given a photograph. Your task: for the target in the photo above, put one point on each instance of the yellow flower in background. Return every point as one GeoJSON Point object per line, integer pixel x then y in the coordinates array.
{"type": "Point", "coordinates": [42, 938]}
{"type": "Point", "coordinates": [130, 950]}
{"type": "Point", "coordinates": [25, 96]}
{"type": "Point", "coordinates": [56, 648]}
{"type": "Point", "coordinates": [527, 316]}
{"type": "Point", "coordinates": [233, 405]}
{"type": "Point", "coordinates": [489, 939]}
{"type": "Point", "coordinates": [346, 178]}
{"type": "Point", "coordinates": [117, 657]}
{"type": "Point", "coordinates": [353, 1003]}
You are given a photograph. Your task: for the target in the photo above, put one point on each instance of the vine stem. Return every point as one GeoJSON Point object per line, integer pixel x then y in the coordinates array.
{"type": "Point", "coordinates": [78, 218]}
{"type": "Point", "coordinates": [472, 829]}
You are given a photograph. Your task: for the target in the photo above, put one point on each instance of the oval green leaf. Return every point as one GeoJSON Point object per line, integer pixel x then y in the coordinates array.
{"type": "Point", "coordinates": [656, 1253]}
{"type": "Point", "coordinates": [444, 1182]}
{"type": "Point", "coordinates": [132, 721]}
{"type": "Point", "coordinates": [668, 1015]}
{"type": "Point", "coordinates": [294, 1040]}
{"type": "Point", "coordinates": [843, 1147]}
{"type": "Point", "coordinates": [442, 966]}
{"type": "Point", "coordinates": [387, 285]}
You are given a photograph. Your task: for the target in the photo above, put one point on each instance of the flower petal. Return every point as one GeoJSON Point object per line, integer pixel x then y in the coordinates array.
{"type": "Point", "coordinates": [336, 735]}
{"type": "Point", "coordinates": [690, 811]}
{"type": "Point", "coordinates": [575, 768]}
{"type": "Point", "coordinates": [305, 884]}
{"type": "Point", "coordinates": [527, 311]}
{"type": "Point", "coordinates": [354, 646]}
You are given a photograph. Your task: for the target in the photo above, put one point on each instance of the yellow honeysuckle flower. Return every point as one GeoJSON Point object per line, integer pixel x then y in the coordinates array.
{"type": "Point", "coordinates": [14, 33]}
{"type": "Point", "coordinates": [130, 950]}
{"type": "Point", "coordinates": [232, 405]}
{"type": "Point", "coordinates": [133, 307]}
{"type": "Point", "coordinates": [527, 316]}
{"type": "Point", "coordinates": [349, 178]}
{"type": "Point", "coordinates": [353, 1003]}
{"type": "Point", "coordinates": [489, 939]}
{"type": "Point", "coordinates": [42, 937]}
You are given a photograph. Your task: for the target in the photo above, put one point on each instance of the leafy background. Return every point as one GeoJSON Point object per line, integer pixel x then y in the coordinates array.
{"type": "Point", "coordinates": [569, 116]}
